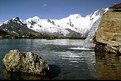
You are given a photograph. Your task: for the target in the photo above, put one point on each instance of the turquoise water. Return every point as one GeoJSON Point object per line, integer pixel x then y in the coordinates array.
{"type": "Point", "coordinates": [65, 64]}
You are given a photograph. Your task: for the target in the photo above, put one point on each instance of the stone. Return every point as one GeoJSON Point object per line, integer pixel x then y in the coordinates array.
{"type": "Point", "coordinates": [25, 63]}
{"type": "Point", "coordinates": [109, 30]}
{"type": "Point", "coordinates": [111, 49]}
{"type": "Point", "coordinates": [116, 6]}
{"type": "Point", "coordinates": [120, 50]}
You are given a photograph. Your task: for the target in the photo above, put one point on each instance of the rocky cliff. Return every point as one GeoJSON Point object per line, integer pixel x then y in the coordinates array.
{"type": "Point", "coordinates": [108, 33]}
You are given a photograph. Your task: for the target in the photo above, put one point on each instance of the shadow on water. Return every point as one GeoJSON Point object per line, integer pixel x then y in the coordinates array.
{"type": "Point", "coordinates": [16, 76]}
{"type": "Point", "coordinates": [53, 72]}
{"type": "Point", "coordinates": [108, 66]}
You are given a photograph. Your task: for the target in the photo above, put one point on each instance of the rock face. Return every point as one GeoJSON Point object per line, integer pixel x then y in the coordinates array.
{"type": "Point", "coordinates": [109, 31]}
{"type": "Point", "coordinates": [25, 63]}
{"type": "Point", "coordinates": [116, 6]}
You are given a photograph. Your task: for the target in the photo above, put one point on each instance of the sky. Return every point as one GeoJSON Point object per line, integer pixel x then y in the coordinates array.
{"type": "Point", "coordinates": [54, 9]}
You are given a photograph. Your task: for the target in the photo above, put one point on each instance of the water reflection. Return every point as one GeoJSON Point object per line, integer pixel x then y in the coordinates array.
{"type": "Point", "coordinates": [16, 76]}
{"type": "Point", "coordinates": [53, 72]}
{"type": "Point", "coordinates": [108, 66]}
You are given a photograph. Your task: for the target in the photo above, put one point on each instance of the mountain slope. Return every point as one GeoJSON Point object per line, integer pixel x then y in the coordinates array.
{"type": "Point", "coordinates": [73, 26]}
{"type": "Point", "coordinates": [64, 27]}
{"type": "Point", "coordinates": [15, 27]}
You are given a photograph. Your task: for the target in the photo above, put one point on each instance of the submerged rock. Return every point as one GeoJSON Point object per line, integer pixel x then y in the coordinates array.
{"type": "Point", "coordinates": [25, 63]}
{"type": "Point", "coordinates": [109, 31]}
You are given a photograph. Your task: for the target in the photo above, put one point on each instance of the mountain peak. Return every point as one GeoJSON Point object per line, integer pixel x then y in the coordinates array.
{"type": "Point", "coordinates": [35, 17]}
{"type": "Point", "coordinates": [74, 16]}
{"type": "Point", "coordinates": [16, 18]}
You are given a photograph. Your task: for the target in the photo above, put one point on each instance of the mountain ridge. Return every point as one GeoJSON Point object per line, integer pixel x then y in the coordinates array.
{"type": "Point", "coordinates": [72, 26]}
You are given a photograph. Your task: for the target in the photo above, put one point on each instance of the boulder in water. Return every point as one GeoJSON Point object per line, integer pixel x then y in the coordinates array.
{"type": "Point", "coordinates": [25, 63]}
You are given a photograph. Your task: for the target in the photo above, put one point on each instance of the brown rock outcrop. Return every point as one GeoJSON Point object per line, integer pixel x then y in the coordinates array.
{"type": "Point", "coordinates": [109, 31]}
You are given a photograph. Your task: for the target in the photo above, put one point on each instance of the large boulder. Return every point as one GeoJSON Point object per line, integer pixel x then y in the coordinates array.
{"type": "Point", "coordinates": [109, 31]}
{"type": "Point", "coordinates": [25, 63]}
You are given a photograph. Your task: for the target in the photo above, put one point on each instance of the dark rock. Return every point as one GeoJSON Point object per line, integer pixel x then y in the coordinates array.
{"type": "Point", "coordinates": [116, 6]}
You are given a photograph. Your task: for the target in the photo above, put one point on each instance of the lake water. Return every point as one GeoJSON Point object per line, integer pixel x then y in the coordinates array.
{"type": "Point", "coordinates": [65, 64]}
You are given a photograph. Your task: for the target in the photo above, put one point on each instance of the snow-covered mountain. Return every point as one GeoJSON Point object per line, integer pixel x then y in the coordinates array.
{"type": "Point", "coordinates": [16, 28]}
{"type": "Point", "coordinates": [0, 24]}
{"type": "Point", "coordinates": [73, 25]}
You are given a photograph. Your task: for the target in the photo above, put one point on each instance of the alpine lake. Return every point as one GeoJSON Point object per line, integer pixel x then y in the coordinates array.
{"type": "Point", "coordinates": [64, 63]}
